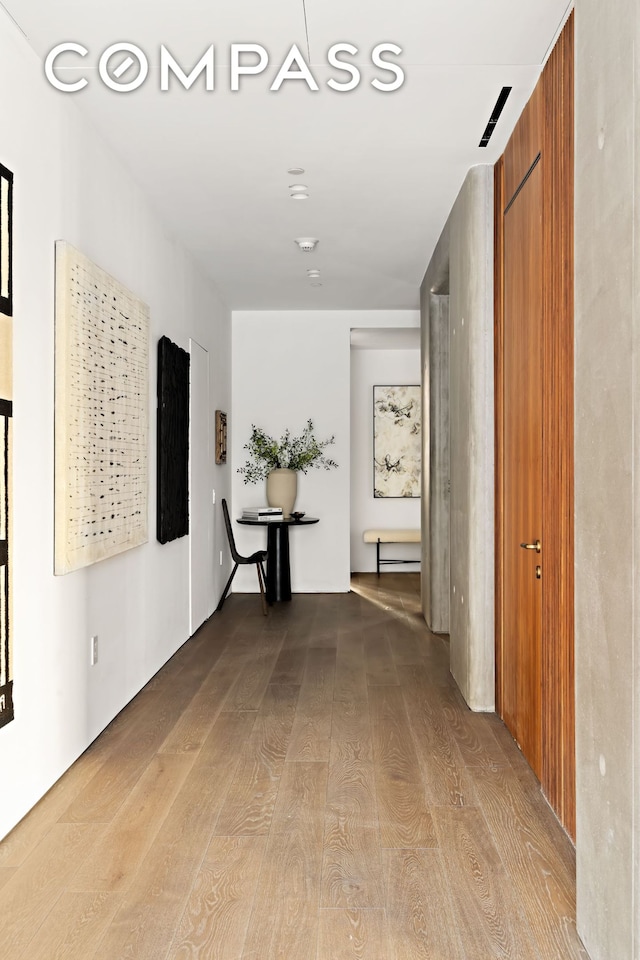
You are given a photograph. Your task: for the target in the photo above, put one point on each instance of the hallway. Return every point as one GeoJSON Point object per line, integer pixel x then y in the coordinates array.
{"type": "Point", "coordinates": [305, 785]}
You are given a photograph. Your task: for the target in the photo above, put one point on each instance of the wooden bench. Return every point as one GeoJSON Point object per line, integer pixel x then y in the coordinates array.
{"type": "Point", "coordinates": [390, 536]}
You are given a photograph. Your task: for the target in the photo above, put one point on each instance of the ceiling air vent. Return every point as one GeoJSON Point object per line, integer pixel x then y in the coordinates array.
{"type": "Point", "coordinates": [495, 116]}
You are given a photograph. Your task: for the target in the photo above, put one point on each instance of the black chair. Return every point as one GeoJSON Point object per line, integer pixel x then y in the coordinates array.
{"type": "Point", "coordinates": [258, 558]}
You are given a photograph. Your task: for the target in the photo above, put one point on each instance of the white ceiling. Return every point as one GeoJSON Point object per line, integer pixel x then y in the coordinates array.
{"type": "Point", "coordinates": [383, 169]}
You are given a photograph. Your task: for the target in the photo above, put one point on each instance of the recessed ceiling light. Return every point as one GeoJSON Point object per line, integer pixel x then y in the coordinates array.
{"type": "Point", "coordinates": [296, 171]}
{"type": "Point", "coordinates": [313, 274]}
{"type": "Point", "coordinates": [306, 244]}
{"type": "Point", "coordinates": [299, 196]}
{"type": "Point", "coordinates": [298, 187]}
{"type": "Point", "coordinates": [316, 283]}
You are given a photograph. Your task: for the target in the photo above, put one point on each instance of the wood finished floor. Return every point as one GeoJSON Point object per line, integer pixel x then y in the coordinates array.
{"type": "Point", "coordinates": [306, 786]}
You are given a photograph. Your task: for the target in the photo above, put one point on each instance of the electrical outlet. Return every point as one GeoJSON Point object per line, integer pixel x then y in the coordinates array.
{"type": "Point", "coordinates": [221, 558]}
{"type": "Point", "coordinates": [94, 650]}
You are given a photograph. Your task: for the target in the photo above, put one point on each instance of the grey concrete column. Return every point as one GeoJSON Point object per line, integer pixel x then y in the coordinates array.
{"type": "Point", "coordinates": [462, 265]}
{"type": "Point", "coordinates": [435, 287]}
{"type": "Point", "coordinates": [439, 517]}
{"type": "Point", "coordinates": [472, 440]}
{"type": "Point", "coordinates": [607, 477]}
{"type": "Point", "coordinates": [425, 476]}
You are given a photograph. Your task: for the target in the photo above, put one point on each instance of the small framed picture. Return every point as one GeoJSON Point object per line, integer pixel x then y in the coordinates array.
{"type": "Point", "coordinates": [6, 241]}
{"type": "Point", "coordinates": [221, 437]}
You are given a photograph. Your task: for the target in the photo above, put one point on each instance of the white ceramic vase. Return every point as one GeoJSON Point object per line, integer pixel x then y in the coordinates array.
{"type": "Point", "coordinates": [282, 489]}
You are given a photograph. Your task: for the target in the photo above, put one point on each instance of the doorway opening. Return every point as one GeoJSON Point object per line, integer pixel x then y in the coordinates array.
{"type": "Point", "coordinates": [383, 357]}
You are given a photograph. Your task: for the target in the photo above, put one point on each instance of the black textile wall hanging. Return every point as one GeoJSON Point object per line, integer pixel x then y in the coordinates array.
{"type": "Point", "coordinates": [173, 441]}
{"type": "Point", "coordinates": [6, 241]}
{"type": "Point", "coordinates": [6, 436]}
{"type": "Point", "coordinates": [6, 683]}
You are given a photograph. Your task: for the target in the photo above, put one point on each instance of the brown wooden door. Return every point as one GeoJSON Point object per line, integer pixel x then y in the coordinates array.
{"type": "Point", "coordinates": [523, 583]}
{"type": "Point", "coordinates": [534, 431]}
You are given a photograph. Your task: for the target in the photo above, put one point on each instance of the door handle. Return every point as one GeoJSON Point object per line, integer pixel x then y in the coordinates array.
{"type": "Point", "coordinates": [537, 546]}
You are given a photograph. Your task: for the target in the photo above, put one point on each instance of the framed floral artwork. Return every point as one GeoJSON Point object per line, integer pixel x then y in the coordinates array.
{"type": "Point", "coordinates": [397, 428]}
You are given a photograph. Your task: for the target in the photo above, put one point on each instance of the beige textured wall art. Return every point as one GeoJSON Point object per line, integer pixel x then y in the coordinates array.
{"type": "Point", "coordinates": [102, 414]}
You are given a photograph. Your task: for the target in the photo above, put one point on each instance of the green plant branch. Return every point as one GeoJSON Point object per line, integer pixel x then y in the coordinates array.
{"type": "Point", "coordinates": [300, 453]}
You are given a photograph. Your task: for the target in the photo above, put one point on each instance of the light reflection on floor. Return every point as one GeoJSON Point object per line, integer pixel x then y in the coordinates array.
{"type": "Point", "coordinates": [395, 593]}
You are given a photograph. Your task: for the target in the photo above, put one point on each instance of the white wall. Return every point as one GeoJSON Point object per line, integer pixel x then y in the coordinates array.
{"type": "Point", "coordinates": [289, 366]}
{"type": "Point", "coordinates": [68, 186]}
{"type": "Point", "coordinates": [370, 367]}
